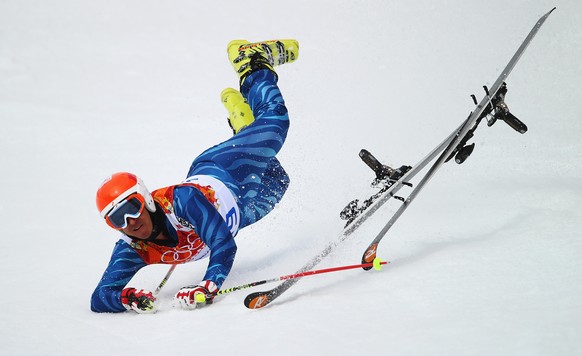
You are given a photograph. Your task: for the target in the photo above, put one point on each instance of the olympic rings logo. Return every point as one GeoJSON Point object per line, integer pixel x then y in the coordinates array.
{"type": "Point", "coordinates": [184, 253]}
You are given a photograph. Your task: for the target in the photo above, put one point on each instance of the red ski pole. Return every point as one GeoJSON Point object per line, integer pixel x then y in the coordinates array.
{"type": "Point", "coordinates": [377, 264]}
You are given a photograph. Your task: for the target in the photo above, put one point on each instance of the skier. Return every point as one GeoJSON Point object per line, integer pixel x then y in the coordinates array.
{"type": "Point", "coordinates": [228, 187]}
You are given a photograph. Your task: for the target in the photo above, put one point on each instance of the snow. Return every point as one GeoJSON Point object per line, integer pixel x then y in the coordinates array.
{"type": "Point", "coordinates": [487, 260]}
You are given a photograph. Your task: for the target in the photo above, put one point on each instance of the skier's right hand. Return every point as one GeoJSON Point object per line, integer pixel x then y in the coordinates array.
{"type": "Point", "coordinates": [193, 297]}
{"type": "Point", "coordinates": [140, 301]}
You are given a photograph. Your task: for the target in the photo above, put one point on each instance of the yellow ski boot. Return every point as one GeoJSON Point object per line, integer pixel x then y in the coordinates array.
{"type": "Point", "coordinates": [247, 57]}
{"type": "Point", "coordinates": [240, 114]}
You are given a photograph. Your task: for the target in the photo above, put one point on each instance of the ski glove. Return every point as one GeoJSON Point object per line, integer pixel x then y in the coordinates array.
{"type": "Point", "coordinates": [193, 297]}
{"type": "Point", "coordinates": [140, 301]}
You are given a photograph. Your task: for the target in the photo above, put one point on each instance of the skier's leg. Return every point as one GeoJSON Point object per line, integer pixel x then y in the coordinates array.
{"type": "Point", "coordinates": [245, 161]}
{"type": "Point", "coordinates": [261, 196]}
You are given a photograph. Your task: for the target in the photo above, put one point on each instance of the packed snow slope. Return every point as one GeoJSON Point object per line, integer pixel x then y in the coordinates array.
{"type": "Point", "coordinates": [487, 260]}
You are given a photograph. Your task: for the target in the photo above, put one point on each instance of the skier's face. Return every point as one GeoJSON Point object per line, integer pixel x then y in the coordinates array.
{"type": "Point", "coordinates": [140, 227]}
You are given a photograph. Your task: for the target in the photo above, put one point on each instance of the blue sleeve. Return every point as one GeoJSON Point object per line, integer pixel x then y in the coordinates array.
{"type": "Point", "coordinates": [190, 204]}
{"type": "Point", "coordinates": [124, 264]}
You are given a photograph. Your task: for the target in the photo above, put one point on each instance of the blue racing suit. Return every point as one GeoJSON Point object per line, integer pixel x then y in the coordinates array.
{"type": "Point", "coordinates": [228, 187]}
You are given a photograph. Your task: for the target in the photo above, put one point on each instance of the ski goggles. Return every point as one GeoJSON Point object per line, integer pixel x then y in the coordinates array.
{"type": "Point", "coordinates": [131, 207]}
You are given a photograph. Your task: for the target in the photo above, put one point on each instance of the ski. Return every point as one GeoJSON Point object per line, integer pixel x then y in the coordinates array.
{"type": "Point", "coordinates": [391, 183]}
{"type": "Point", "coordinates": [492, 107]}
{"type": "Point", "coordinates": [390, 180]}
{"type": "Point", "coordinates": [258, 300]}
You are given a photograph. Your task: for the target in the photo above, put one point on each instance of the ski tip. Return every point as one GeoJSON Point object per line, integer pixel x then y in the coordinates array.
{"type": "Point", "coordinates": [256, 300]}
{"type": "Point", "coordinates": [369, 256]}
{"type": "Point", "coordinates": [549, 12]}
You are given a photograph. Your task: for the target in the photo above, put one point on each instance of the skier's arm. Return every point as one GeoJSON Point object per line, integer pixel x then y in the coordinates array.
{"type": "Point", "coordinates": [124, 264]}
{"type": "Point", "coordinates": [213, 231]}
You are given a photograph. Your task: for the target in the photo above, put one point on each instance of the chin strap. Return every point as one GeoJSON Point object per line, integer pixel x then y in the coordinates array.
{"type": "Point", "coordinates": [157, 222]}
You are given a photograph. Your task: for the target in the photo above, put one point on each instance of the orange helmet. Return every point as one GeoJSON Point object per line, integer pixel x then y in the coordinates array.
{"type": "Point", "coordinates": [121, 196]}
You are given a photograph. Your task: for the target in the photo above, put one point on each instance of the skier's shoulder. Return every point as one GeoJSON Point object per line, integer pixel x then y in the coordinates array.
{"type": "Point", "coordinates": [186, 195]}
{"type": "Point", "coordinates": [123, 245]}
{"type": "Point", "coordinates": [125, 250]}
{"type": "Point", "coordinates": [180, 198]}
{"type": "Point", "coordinates": [176, 196]}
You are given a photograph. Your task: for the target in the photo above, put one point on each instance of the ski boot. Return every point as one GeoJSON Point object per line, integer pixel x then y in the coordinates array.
{"type": "Point", "coordinates": [240, 114]}
{"type": "Point", "coordinates": [248, 57]}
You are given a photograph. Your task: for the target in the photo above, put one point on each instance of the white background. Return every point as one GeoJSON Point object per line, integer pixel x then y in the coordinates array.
{"type": "Point", "coordinates": [487, 261]}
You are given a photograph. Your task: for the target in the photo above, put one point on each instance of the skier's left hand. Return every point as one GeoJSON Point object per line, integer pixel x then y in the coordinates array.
{"type": "Point", "coordinates": [193, 297]}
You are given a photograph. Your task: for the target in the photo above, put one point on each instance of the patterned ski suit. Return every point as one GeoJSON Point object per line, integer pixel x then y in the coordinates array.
{"type": "Point", "coordinates": [228, 187]}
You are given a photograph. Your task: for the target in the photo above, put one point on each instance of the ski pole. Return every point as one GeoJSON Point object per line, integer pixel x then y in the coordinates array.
{"type": "Point", "coordinates": [163, 282]}
{"type": "Point", "coordinates": [377, 264]}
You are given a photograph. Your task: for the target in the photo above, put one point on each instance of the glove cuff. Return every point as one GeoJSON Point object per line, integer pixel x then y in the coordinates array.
{"type": "Point", "coordinates": [209, 286]}
{"type": "Point", "coordinates": [126, 296]}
